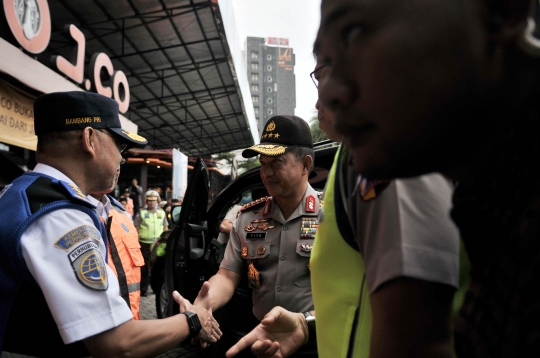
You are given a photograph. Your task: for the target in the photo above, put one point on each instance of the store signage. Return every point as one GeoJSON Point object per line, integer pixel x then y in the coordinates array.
{"type": "Point", "coordinates": [16, 117]}
{"type": "Point", "coordinates": [30, 23]}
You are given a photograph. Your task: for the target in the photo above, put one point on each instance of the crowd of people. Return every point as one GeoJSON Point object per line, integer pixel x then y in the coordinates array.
{"type": "Point", "coordinates": [434, 103]}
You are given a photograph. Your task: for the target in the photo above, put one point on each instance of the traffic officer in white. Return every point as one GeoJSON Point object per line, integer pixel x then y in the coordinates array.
{"type": "Point", "coordinates": [56, 290]}
{"type": "Point", "coordinates": [273, 236]}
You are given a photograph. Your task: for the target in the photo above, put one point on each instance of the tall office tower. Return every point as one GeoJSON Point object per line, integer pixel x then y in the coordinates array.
{"type": "Point", "coordinates": [270, 71]}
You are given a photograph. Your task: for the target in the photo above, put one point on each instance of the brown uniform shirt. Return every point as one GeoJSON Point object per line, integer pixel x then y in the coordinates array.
{"type": "Point", "coordinates": [280, 254]}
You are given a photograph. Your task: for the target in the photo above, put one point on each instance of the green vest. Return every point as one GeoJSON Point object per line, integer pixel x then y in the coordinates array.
{"type": "Point", "coordinates": [338, 283]}
{"type": "Point", "coordinates": [151, 225]}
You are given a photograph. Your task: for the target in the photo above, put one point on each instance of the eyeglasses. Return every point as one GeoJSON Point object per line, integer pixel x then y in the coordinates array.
{"type": "Point", "coordinates": [312, 74]}
{"type": "Point", "coordinates": [119, 144]}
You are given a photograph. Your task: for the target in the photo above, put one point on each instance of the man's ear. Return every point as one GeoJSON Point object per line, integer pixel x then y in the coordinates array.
{"type": "Point", "coordinates": [308, 160]}
{"type": "Point", "coordinates": [90, 141]}
{"type": "Point", "coordinates": [508, 19]}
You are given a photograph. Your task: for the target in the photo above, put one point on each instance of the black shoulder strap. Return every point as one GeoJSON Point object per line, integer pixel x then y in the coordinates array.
{"type": "Point", "coordinates": [44, 191]}
{"type": "Point", "coordinates": [122, 280]}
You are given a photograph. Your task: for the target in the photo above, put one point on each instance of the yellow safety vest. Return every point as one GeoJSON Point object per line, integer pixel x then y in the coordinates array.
{"type": "Point", "coordinates": [128, 250]}
{"type": "Point", "coordinates": [339, 287]}
{"type": "Point", "coordinates": [151, 225]}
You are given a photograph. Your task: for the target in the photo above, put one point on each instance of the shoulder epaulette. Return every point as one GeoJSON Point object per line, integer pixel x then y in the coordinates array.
{"type": "Point", "coordinates": [253, 204]}
{"type": "Point", "coordinates": [370, 189]}
{"type": "Point", "coordinates": [76, 193]}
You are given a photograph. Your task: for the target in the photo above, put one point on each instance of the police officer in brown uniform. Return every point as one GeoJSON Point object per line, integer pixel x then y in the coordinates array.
{"type": "Point", "coordinates": [272, 237]}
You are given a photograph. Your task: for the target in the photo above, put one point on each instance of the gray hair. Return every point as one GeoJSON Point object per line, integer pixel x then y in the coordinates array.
{"type": "Point", "coordinates": [301, 152]}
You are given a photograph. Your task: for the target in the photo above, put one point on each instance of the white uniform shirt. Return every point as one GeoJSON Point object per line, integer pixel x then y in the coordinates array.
{"type": "Point", "coordinates": [407, 231]}
{"type": "Point", "coordinates": [79, 311]}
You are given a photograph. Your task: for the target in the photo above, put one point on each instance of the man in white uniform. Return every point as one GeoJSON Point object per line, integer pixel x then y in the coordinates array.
{"type": "Point", "coordinates": [56, 289]}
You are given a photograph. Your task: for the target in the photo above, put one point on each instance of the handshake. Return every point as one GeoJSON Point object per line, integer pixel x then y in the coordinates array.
{"type": "Point", "coordinates": [279, 334]}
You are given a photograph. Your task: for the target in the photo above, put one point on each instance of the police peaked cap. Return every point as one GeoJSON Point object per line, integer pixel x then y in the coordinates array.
{"type": "Point", "coordinates": [281, 134]}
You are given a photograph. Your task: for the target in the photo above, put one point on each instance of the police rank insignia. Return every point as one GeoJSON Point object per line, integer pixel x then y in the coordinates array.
{"type": "Point", "coordinates": [310, 204]}
{"type": "Point", "coordinates": [309, 227]}
{"type": "Point", "coordinates": [253, 204]}
{"type": "Point", "coordinates": [89, 267]}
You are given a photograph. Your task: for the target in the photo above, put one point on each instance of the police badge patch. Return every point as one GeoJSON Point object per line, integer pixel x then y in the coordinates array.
{"type": "Point", "coordinates": [89, 267]}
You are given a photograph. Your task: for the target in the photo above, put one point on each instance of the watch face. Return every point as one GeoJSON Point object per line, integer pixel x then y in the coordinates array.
{"type": "Point", "coordinates": [29, 17]}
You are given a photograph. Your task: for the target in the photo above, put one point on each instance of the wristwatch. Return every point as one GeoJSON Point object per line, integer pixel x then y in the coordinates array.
{"type": "Point", "coordinates": [193, 323]}
{"type": "Point", "coordinates": [310, 320]}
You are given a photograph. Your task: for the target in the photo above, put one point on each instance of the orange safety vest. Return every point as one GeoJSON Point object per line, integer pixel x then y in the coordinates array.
{"type": "Point", "coordinates": [125, 257]}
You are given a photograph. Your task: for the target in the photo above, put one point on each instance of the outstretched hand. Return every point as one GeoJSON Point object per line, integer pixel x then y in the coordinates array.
{"type": "Point", "coordinates": [279, 335]}
{"type": "Point", "coordinates": [203, 300]}
{"type": "Point", "coordinates": [210, 331]}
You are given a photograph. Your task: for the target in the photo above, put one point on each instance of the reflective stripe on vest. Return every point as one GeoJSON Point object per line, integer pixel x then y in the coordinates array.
{"type": "Point", "coordinates": [133, 287]}
{"type": "Point", "coordinates": [126, 241]}
{"type": "Point", "coordinates": [151, 225]}
{"type": "Point", "coordinates": [337, 285]}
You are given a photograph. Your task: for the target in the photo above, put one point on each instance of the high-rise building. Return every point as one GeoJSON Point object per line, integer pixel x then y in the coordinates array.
{"type": "Point", "coordinates": [270, 72]}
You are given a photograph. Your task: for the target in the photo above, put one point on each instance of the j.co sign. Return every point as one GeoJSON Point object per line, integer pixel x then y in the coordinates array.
{"type": "Point", "coordinates": [30, 23]}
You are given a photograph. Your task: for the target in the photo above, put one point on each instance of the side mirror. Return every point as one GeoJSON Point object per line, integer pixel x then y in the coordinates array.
{"type": "Point", "coordinates": [175, 214]}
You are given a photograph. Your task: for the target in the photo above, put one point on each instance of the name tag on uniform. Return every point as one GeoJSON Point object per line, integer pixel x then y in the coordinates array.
{"type": "Point", "coordinates": [256, 235]}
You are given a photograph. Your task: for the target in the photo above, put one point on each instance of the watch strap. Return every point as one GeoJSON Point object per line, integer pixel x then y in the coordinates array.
{"type": "Point", "coordinates": [310, 321]}
{"type": "Point", "coordinates": [193, 323]}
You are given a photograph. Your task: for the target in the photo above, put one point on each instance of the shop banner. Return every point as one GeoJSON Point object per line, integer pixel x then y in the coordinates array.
{"type": "Point", "coordinates": [180, 174]}
{"type": "Point", "coordinates": [16, 117]}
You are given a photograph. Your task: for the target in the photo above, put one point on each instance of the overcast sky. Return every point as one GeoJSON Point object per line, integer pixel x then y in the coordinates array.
{"type": "Point", "coordinates": [297, 20]}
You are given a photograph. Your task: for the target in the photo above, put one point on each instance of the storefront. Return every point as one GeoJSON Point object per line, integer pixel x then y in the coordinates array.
{"type": "Point", "coordinates": [25, 32]}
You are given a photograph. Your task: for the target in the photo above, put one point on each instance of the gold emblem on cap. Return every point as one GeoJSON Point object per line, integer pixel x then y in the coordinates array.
{"type": "Point", "coordinates": [134, 136]}
{"type": "Point", "coordinates": [269, 149]}
{"type": "Point", "coordinates": [271, 126]}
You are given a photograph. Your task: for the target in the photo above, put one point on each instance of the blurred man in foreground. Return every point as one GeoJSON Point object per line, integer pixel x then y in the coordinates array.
{"type": "Point", "coordinates": [452, 86]}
